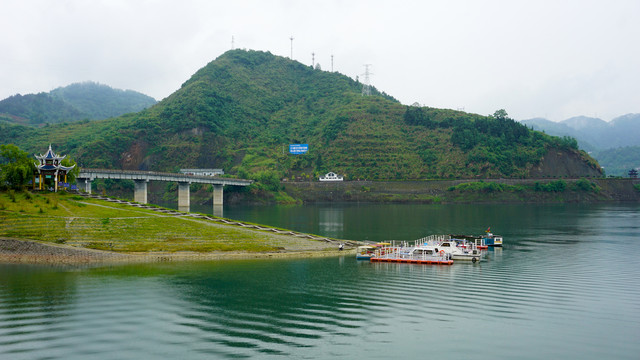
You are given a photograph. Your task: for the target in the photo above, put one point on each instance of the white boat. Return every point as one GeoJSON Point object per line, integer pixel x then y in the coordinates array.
{"type": "Point", "coordinates": [331, 176]}
{"type": "Point", "coordinates": [451, 249]}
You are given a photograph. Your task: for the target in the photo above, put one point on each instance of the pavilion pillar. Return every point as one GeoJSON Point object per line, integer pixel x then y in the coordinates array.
{"type": "Point", "coordinates": [140, 191]}
{"type": "Point", "coordinates": [55, 180]}
{"type": "Point", "coordinates": [40, 183]}
{"type": "Point", "coordinates": [183, 197]}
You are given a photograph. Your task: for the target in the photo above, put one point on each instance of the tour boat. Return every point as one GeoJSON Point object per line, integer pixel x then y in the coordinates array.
{"type": "Point", "coordinates": [452, 249]}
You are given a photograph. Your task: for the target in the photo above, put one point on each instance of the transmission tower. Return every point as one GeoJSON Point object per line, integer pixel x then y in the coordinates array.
{"type": "Point", "coordinates": [331, 62]}
{"type": "Point", "coordinates": [233, 42]}
{"type": "Point", "coordinates": [313, 59]}
{"type": "Point", "coordinates": [291, 38]}
{"type": "Point", "coordinates": [366, 87]}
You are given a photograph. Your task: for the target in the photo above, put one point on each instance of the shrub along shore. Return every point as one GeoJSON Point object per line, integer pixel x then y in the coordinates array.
{"type": "Point", "coordinates": [68, 228]}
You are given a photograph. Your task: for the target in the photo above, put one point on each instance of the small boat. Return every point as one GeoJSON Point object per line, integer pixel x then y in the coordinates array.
{"type": "Point", "coordinates": [365, 252]}
{"type": "Point", "coordinates": [492, 240]}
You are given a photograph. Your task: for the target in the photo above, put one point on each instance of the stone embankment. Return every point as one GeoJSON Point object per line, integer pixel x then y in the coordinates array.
{"type": "Point", "coordinates": [26, 251]}
{"type": "Point", "coordinates": [429, 191]}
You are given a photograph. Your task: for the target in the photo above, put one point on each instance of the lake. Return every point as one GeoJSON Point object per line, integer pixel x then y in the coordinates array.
{"type": "Point", "coordinates": [566, 284]}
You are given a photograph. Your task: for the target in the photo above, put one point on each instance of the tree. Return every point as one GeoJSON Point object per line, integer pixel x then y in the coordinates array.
{"type": "Point", "coordinates": [501, 114]}
{"type": "Point", "coordinates": [16, 165]}
{"type": "Point", "coordinates": [71, 175]}
{"type": "Point", "coordinates": [633, 173]}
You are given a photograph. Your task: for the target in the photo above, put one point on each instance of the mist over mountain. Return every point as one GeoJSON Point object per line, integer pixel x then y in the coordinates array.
{"type": "Point", "coordinates": [79, 101]}
{"type": "Point", "coordinates": [614, 144]}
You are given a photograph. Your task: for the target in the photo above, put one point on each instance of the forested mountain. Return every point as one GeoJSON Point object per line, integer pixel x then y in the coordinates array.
{"type": "Point", "coordinates": [614, 144]}
{"type": "Point", "coordinates": [80, 101]}
{"type": "Point", "coordinates": [619, 160]}
{"type": "Point", "coordinates": [241, 111]}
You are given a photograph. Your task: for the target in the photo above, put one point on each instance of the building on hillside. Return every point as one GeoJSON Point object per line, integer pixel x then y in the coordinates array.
{"type": "Point", "coordinates": [50, 167]}
{"type": "Point", "coordinates": [202, 172]}
{"type": "Point", "coordinates": [331, 176]}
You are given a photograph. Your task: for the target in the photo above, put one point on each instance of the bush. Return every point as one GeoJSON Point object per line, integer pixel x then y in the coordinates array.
{"type": "Point", "coordinates": [552, 186]}
{"type": "Point", "coordinates": [585, 185]}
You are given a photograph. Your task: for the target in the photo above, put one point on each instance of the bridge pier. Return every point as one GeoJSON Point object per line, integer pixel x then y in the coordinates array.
{"type": "Point", "coordinates": [217, 195]}
{"type": "Point", "coordinates": [140, 191]}
{"type": "Point", "coordinates": [87, 185]}
{"type": "Point", "coordinates": [184, 203]}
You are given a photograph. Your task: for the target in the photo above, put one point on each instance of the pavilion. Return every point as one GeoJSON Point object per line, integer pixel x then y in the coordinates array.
{"type": "Point", "coordinates": [51, 168]}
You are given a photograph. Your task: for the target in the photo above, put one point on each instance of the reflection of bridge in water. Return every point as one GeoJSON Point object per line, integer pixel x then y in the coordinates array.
{"type": "Point", "coordinates": [141, 178]}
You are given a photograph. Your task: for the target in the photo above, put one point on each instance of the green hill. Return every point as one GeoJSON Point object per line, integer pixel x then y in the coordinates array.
{"type": "Point", "coordinates": [80, 101]}
{"type": "Point", "coordinates": [241, 111]}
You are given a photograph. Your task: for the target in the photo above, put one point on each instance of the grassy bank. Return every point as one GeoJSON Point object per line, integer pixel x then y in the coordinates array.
{"type": "Point", "coordinates": [95, 224]}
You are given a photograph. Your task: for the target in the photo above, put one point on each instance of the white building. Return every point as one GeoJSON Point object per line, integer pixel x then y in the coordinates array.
{"type": "Point", "coordinates": [331, 176]}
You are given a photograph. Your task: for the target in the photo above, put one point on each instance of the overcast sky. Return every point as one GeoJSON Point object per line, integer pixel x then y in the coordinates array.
{"type": "Point", "coordinates": [554, 59]}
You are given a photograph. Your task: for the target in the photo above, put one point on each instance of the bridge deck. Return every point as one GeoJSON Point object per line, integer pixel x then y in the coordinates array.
{"type": "Point", "coordinates": [158, 176]}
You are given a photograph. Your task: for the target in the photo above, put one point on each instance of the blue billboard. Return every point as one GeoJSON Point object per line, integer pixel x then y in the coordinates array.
{"type": "Point", "coordinates": [297, 149]}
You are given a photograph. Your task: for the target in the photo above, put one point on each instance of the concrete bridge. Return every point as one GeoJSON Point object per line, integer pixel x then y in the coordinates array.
{"type": "Point", "coordinates": [141, 178]}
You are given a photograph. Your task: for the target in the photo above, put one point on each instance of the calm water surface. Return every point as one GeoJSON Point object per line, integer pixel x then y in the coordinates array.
{"type": "Point", "coordinates": [566, 285]}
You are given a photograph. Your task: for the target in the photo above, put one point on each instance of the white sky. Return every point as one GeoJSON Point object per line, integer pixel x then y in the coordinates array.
{"type": "Point", "coordinates": [541, 58]}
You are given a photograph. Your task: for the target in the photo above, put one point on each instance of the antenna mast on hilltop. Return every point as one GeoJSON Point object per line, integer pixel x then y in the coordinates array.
{"type": "Point", "coordinates": [233, 42]}
{"type": "Point", "coordinates": [313, 59]}
{"type": "Point", "coordinates": [366, 87]}
{"type": "Point", "coordinates": [291, 38]}
{"type": "Point", "coordinates": [331, 62]}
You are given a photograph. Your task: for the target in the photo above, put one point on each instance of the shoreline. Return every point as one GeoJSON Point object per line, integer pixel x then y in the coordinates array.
{"type": "Point", "coordinates": [22, 251]}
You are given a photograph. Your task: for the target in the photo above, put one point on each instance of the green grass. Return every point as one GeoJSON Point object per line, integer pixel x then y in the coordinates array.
{"type": "Point", "coordinates": [101, 225]}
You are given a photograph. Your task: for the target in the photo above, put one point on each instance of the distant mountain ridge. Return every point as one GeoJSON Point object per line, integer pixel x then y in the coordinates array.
{"type": "Point", "coordinates": [78, 101]}
{"type": "Point", "coordinates": [593, 133]}
{"type": "Point", "coordinates": [614, 144]}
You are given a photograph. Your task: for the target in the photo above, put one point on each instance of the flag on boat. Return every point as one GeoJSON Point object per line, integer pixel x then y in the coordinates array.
{"type": "Point", "coordinates": [489, 229]}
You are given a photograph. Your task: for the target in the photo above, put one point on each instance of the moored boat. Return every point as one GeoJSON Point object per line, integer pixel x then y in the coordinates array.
{"type": "Point", "coordinates": [365, 252]}
{"type": "Point", "coordinates": [455, 249]}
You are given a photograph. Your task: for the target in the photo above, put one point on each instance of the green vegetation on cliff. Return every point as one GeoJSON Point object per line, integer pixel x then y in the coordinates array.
{"type": "Point", "coordinates": [242, 110]}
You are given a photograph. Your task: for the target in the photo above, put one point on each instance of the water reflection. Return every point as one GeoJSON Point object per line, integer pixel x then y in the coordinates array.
{"type": "Point", "coordinates": [331, 221]}
{"type": "Point", "coordinates": [554, 291]}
